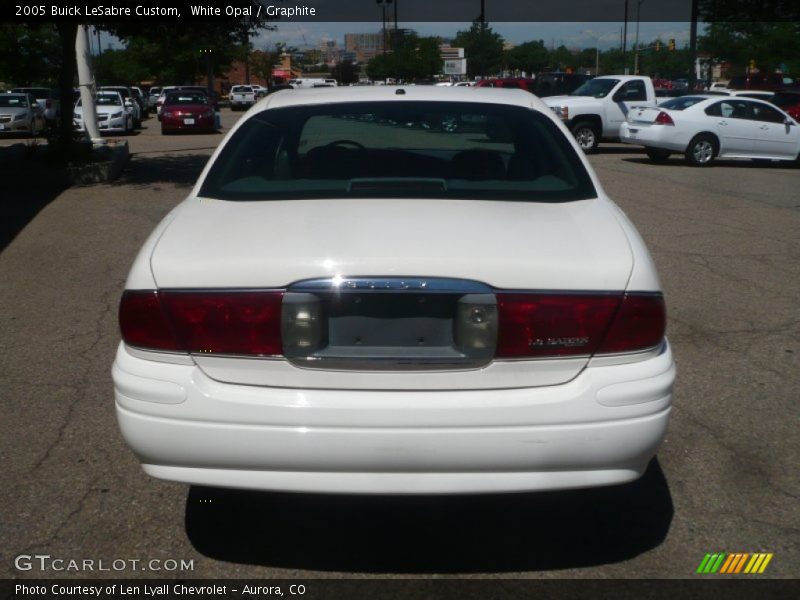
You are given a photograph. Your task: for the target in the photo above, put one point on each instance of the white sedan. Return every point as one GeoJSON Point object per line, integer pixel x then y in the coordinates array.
{"type": "Point", "coordinates": [354, 300]}
{"type": "Point", "coordinates": [113, 114]}
{"type": "Point", "coordinates": [704, 128]}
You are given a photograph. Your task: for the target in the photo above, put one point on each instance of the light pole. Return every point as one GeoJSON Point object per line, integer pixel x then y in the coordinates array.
{"type": "Point", "coordinates": [382, 4]}
{"type": "Point", "coordinates": [636, 55]}
{"type": "Point", "coordinates": [625, 33]}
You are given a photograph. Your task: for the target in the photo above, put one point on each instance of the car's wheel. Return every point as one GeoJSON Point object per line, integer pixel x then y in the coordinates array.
{"type": "Point", "coordinates": [586, 135]}
{"type": "Point", "coordinates": [657, 155]}
{"type": "Point", "coordinates": [702, 150]}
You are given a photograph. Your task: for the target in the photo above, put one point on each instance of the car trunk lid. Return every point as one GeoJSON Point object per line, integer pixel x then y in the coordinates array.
{"type": "Point", "coordinates": [511, 246]}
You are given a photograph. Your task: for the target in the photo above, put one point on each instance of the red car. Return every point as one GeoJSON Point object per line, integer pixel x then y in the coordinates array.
{"type": "Point", "coordinates": [185, 110]}
{"type": "Point", "coordinates": [529, 85]}
{"type": "Point", "coordinates": [788, 101]}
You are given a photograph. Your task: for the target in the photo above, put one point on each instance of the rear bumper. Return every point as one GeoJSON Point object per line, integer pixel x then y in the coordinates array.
{"type": "Point", "coordinates": [601, 428]}
{"type": "Point", "coordinates": [659, 136]}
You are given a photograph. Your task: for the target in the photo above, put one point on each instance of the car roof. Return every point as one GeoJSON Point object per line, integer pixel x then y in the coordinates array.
{"type": "Point", "coordinates": [391, 93]}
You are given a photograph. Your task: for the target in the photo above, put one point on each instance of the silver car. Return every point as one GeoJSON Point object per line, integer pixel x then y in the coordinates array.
{"type": "Point", "coordinates": [48, 101]}
{"type": "Point", "coordinates": [20, 113]}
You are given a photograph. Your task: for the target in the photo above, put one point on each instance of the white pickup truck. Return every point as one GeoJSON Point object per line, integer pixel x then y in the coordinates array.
{"type": "Point", "coordinates": [600, 106]}
{"type": "Point", "coordinates": [242, 97]}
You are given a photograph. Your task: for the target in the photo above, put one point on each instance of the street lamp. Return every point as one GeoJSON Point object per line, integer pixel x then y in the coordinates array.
{"type": "Point", "coordinates": [636, 55]}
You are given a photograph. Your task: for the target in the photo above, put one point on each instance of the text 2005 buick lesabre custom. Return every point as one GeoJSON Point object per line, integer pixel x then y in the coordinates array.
{"type": "Point", "coordinates": [388, 290]}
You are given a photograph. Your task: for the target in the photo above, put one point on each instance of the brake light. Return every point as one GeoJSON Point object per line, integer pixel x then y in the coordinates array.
{"type": "Point", "coordinates": [664, 119]}
{"type": "Point", "coordinates": [143, 323]}
{"type": "Point", "coordinates": [545, 325]}
{"type": "Point", "coordinates": [557, 325]}
{"type": "Point", "coordinates": [639, 324]}
{"type": "Point", "coordinates": [244, 323]}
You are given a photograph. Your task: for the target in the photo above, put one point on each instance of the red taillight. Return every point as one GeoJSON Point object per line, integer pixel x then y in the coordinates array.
{"type": "Point", "coordinates": [639, 324]}
{"type": "Point", "coordinates": [244, 323]}
{"type": "Point", "coordinates": [664, 119]}
{"type": "Point", "coordinates": [143, 323]}
{"type": "Point", "coordinates": [554, 325]}
{"type": "Point", "coordinates": [539, 325]}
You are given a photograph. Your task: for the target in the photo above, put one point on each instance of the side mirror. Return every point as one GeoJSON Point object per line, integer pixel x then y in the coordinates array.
{"type": "Point", "coordinates": [128, 103]}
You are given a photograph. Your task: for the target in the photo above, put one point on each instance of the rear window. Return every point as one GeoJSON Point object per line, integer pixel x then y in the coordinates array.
{"type": "Point", "coordinates": [596, 88]}
{"type": "Point", "coordinates": [399, 149]}
{"type": "Point", "coordinates": [35, 92]}
{"type": "Point", "coordinates": [13, 101]}
{"type": "Point", "coordinates": [186, 98]}
{"type": "Point", "coordinates": [241, 89]}
{"type": "Point", "coordinates": [681, 103]}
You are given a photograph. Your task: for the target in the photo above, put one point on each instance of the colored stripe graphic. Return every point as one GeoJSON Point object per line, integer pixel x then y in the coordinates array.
{"type": "Point", "coordinates": [703, 563]}
{"type": "Point", "coordinates": [718, 563]}
{"type": "Point", "coordinates": [734, 563]}
{"type": "Point", "coordinates": [740, 564]}
{"type": "Point", "coordinates": [727, 565]}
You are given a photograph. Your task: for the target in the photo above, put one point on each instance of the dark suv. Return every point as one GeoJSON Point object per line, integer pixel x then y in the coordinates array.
{"type": "Point", "coordinates": [559, 84]}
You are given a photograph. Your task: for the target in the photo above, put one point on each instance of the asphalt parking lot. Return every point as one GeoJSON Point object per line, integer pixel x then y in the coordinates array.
{"type": "Point", "coordinates": [726, 241]}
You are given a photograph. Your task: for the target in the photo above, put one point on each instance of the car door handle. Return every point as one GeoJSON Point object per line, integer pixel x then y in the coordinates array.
{"type": "Point", "coordinates": [764, 127]}
{"type": "Point", "coordinates": [723, 122]}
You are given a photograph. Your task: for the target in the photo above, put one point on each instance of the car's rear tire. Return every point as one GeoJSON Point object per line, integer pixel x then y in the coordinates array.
{"type": "Point", "coordinates": [587, 136]}
{"type": "Point", "coordinates": [657, 155]}
{"type": "Point", "coordinates": [702, 150]}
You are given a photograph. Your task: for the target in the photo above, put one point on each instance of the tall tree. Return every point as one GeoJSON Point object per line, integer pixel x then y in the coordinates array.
{"type": "Point", "coordinates": [530, 57]}
{"type": "Point", "coordinates": [412, 58]}
{"type": "Point", "coordinates": [768, 44]}
{"type": "Point", "coordinates": [345, 72]}
{"type": "Point", "coordinates": [36, 55]}
{"type": "Point", "coordinates": [483, 49]}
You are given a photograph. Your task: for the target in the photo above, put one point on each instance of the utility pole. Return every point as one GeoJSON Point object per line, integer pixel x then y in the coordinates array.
{"type": "Point", "coordinates": [636, 43]}
{"type": "Point", "coordinates": [625, 33]}
{"type": "Point", "coordinates": [693, 47]}
{"type": "Point", "coordinates": [483, 12]}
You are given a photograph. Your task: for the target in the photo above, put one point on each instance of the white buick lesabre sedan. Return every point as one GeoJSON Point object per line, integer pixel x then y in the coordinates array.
{"type": "Point", "coordinates": [357, 297]}
{"type": "Point", "coordinates": [704, 128]}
